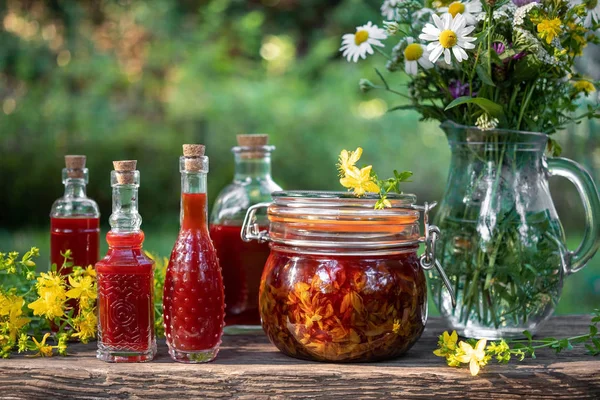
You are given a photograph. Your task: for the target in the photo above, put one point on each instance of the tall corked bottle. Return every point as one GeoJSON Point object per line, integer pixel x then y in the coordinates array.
{"type": "Point", "coordinates": [74, 219]}
{"type": "Point", "coordinates": [125, 277]}
{"type": "Point", "coordinates": [243, 262]}
{"type": "Point", "coordinates": [193, 299]}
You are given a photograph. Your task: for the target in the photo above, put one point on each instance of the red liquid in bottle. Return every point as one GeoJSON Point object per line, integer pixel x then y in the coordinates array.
{"type": "Point", "coordinates": [125, 301]}
{"type": "Point", "coordinates": [242, 264]}
{"type": "Point", "coordinates": [80, 235]}
{"type": "Point", "coordinates": [193, 297]}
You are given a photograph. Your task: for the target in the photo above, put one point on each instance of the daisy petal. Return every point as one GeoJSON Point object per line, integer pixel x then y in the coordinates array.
{"type": "Point", "coordinates": [447, 56]}
{"type": "Point", "coordinates": [436, 53]}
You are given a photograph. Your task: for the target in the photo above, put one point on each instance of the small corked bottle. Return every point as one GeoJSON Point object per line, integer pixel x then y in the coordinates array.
{"type": "Point", "coordinates": [74, 219]}
{"type": "Point", "coordinates": [193, 299]}
{"type": "Point", "coordinates": [125, 277]}
{"type": "Point", "coordinates": [243, 262]}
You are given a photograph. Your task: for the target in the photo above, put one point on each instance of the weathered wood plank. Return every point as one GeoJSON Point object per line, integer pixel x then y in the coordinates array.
{"type": "Point", "coordinates": [249, 367]}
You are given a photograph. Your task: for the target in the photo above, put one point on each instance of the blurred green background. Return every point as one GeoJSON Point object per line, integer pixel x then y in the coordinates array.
{"type": "Point", "coordinates": [136, 79]}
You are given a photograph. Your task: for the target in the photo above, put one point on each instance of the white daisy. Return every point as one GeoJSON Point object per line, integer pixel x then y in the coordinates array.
{"type": "Point", "coordinates": [593, 13]}
{"type": "Point", "coordinates": [448, 33]}
{"type": "Point", "coordinates": [414, 54]}
{"type": "Point", "coordinates": [355, 45]}
{"type": "Point", "coordinates": [388, 8]}
{"type": "Point", "coordinates": [468, 9]}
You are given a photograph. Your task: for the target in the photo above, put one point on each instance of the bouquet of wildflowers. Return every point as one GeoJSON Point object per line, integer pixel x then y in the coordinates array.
{"type": "Point", "coordinates": [493, 63]}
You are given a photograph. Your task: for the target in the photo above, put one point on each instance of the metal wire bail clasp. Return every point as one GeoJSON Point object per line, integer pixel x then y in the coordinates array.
{"type": "Point", "coordinates": [250, 229]}
{"type": "Point", "coordinates": [429, 259]}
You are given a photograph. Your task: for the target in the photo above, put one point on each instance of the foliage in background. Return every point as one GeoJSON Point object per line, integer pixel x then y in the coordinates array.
{"type": "Point", "coordinates": [477, 353]}
{"type": "Point", "coordinates": [36, 306]}
{"type": "Point", "coordinates": [160, 270]}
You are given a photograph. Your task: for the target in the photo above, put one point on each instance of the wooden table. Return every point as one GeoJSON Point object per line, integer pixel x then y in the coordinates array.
{"type": "Point", "coordinates": [249, 367]}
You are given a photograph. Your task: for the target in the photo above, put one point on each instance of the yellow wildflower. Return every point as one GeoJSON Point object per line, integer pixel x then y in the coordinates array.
{"type": "Point", "coordinates": [83, 289]}
{"type": "Point", "coordinates": [89, 271]}
{"type": "Point", "coordinates": [584, 86]}
{"type": "Point", "coordinates": [51, 292]}
{"type": "Point", "coordinates": [15, 321]}
{"type": "Point", "coordinates": [396, 326]}
{"type": "Point", "coordinates": [4, 305]}
{"type": "Point", "coordinates": [549, 29]}
{"type": "Point", "coordinates": [49, 281]}
{"type": "Point", "coordinates": [359, 180]}
{"type": "Point", "coordinates": [446, 344]}
{"type": "Point", "coordinates": [476, 357]}
{"type": "Point", "coordinates": [50, 303]}
{"type": "Point", "coordinates": [44, 350]}
{"type": "Point", "coordinates": [348, 159]}
{"type": "Point", "coordinates": [86, 326]}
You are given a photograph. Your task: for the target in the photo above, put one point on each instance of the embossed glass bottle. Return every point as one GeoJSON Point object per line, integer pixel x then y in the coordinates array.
{"type": "Point", "coordinates": [125, 278]}
{"type": "Point", "coordinates": [193, 299]}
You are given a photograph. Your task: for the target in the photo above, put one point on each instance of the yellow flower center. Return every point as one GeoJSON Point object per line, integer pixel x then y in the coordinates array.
{"type": "Point", "coordinates": [361, 37]}
{"type": "Point", "coordinates": [413, 52]}
{"type": "Point", "coordinates": [456, 8]}
{"type": "Point", "coordinates": [591, 4]}
{"type": "Point", "coordinates": [448, 39]}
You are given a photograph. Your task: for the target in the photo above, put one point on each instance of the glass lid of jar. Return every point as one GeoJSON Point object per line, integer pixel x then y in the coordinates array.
{"type": "Point", "coordinates": [342, 220]}
{"type": "Point", "coordinates": [340, 223]}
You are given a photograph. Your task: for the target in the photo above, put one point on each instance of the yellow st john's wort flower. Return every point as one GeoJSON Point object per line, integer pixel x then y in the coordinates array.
{"type": "Point", "coordinates": [83, 289]}
{"type": "Point", "coordinates": [476, 357]}
{"type": "Point", "coordinates": [359, 180]}
{"type": "Point", "coordinates": [15, 320]}
{"type": "Point", "coordinates": [549, 29]}
{"type": "Point", "coordinates": [4, 305]}
{"type": "Point", "coordinates": [89, 271]}
{"type": "Point", "coordinates": [584, 86]}
{"type": "Point", "coordinates": [44, 350]}
{"type": "Point", "coordinates": [348, 159]}
{"type": "Point", "coordinates": [446, 344]}
{"type": "Point", "coordinates": [50, 303]}
{"type": "Point", "coordinates": [86, 326]}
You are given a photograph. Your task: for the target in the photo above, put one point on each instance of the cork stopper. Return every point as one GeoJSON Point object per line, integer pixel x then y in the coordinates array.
{"type": "Point", "coordinates": [253, 140]}
{"type": "Point", "coordinates": [75, 166]}
{"type": "Point", "coordinates": [193, 154]}
{"type": "Point", "coordinates": [193, 150]}
{"type": "Point", "coordinates": [125, 169]}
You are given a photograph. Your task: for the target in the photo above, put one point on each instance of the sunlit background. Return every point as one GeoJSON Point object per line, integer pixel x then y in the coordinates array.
{"type": "Point", "coordinates": [136, 79]}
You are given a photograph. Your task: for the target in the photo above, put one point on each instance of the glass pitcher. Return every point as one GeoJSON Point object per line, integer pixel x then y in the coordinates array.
{"type": "Point", "coordinates": [503, 246]}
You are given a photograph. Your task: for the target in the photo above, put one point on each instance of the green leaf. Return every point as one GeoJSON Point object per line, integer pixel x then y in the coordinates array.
{"type": "Point", "coordinates": [486, 105]}
{"type": "Point", "coordinates": [528, 335]}
{"type": "Point", "coordinates": [403, 176]}
{"type": "Point", "coordinates": [405, 107]}
{"type": "Point", "coordinates": [484, 76]}
{"type": "Point", "coordinates": [593, 330]}
{"type": "Point", "coordinates": [553, 147]}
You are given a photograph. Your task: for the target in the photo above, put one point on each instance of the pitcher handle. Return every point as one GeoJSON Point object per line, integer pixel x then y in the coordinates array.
{"type": "Point", "coordinates": [591, 203]}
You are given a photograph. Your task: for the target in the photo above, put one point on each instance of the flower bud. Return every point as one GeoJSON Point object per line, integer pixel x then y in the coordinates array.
{"type": "Point", "coordinates": [365, 85]}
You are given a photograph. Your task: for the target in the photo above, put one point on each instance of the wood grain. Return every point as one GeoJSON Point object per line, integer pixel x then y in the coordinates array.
{"type": "Point", "coordinates": [249, 367]}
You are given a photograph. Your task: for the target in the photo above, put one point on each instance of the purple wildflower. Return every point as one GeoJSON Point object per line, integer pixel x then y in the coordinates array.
{"type": "Point", "coordinates": [521, 3]}
{"type": "Point", "coordinates": [518, 56]}
{"type": "Point", "coordinates": [499, 47]}
{"type": "Point", "coordinates": [458, 89]}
